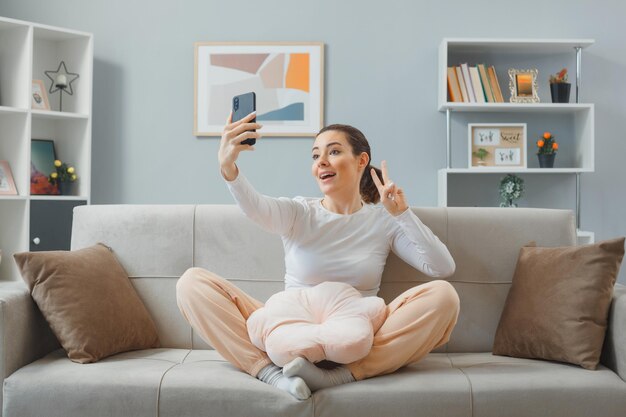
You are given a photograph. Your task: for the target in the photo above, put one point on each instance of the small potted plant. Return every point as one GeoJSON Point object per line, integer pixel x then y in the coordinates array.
{"type": "Point", "coordinates": [546, 150]}
{"type": "Point", "coordinates": [481, 154]}
{"type": "Point", "coordinates": [511, 188]}
{"type": "Point", "coordinates": [63, 177]}
{"type": "Point", "coordinates": [559, 87]}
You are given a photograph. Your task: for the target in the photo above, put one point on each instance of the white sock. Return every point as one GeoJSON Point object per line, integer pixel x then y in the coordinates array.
{"type": "Point", "coordinates": [317, 378]}
{"type": "Point", "coordinates": [273, 375]}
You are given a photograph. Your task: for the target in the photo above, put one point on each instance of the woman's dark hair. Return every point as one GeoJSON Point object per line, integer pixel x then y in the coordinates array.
{"type": "Point", "coordinates": [356, 138]}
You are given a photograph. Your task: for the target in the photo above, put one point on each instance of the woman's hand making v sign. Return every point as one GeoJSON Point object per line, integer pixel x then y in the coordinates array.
{"type": "Point", "coordinates": [391, 196]}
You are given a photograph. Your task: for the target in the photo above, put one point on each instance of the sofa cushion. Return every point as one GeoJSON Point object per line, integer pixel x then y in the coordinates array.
{"type": "Point", "coordinates": [558, 304]}
{"type": "Point", "coordinates": [330, 321]}
{"type": "Point", "coordinates": [479, 385]}
{"type": "Point", "coordinates": [204, 384]}
{"type": "Point", "coordinates": [89, 302]}
{"type": "Point", "coordinates": [126, 384]}
{"type": "Point", "coordinates": [145, 383]}
{"type": "Point", "coordinates": [517, 387]}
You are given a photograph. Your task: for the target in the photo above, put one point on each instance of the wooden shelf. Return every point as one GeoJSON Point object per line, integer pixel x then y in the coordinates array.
{"type": "Point", "coordinates": [516, 107]}
{"type": "Point", "coordinates": [517, 45]}
{"type": "Point", "coordinates": [13, 197]}
{"type": "Point", "coordinates": [58, 115]}
{"type": "Point", "coordinates": [515, 170]}
{"type": "Point", "coordinates": [59, 197]}
{"type": "Point", "coordinates": [12, 110]}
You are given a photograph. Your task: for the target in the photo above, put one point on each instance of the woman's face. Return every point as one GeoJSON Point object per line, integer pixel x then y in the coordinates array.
{"type": "Point", "coordinates": [335, 167]}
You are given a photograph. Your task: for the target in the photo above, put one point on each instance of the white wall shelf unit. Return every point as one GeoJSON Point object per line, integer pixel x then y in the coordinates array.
{"type": "Point", "coordinates": [571, 123]}
{"type": "Point", "coordinates": [26, 51]}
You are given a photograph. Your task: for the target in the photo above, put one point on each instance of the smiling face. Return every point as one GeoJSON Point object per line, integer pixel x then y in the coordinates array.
{"type": "Point", "coordinates": [337, 170]}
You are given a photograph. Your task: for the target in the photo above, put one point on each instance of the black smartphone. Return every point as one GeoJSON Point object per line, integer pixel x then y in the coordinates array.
{"type": "Point", "coordinates": [243, 105]}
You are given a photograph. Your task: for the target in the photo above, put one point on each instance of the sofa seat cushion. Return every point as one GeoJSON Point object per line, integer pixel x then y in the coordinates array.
{"type": "Point", "coordinates": [518, 387]}
{"type": "Point", "coordinates": [199, 382]}
{"type": "Point", "coordinates": [179, 382]}
{"type": "Point", "coordinates": [120, 385]}
{"type": "Point", "coordinates": [479, 385]}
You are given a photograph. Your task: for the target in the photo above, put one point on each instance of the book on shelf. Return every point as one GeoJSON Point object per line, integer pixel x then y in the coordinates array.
{"type": "Point", "coordinates": [468, 83]}
{"type": "Point", "coordinates": [459, 76]}
{"type": "Point", "coordinates": [484, 79]}
{"type": "Point", "coordinates": [478, 84]}
{"type": "Point", "coordinates": [479, 91]}
{"type": "Point", "coordinates": [493, 78]}
{"type": "Point", "coordinates": [453, 86]}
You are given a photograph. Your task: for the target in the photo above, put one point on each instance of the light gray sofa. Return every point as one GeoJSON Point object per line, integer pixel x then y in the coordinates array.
{"type": "Point", "coordinates": [156, 244]}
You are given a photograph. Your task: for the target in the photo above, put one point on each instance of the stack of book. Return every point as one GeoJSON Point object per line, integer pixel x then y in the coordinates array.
{"type": "Point", "coordinates": [477, 84]}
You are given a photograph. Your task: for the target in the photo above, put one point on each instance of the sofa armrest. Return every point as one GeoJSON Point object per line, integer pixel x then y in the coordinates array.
{"type": "Point", "coordinates": [24, 334]}
{"type": "Point", "coordinates": [614, 348]}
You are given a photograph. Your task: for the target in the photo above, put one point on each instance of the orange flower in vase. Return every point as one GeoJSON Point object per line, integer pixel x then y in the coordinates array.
{"type": "Point", "coordinates": [546, 151]}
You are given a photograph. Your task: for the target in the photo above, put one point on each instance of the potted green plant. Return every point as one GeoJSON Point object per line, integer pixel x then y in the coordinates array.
{"type": "Point", "coordinates": [481, 154]}
{"type": "Point", "coordinates": [546, 151]}
{"type": "Point", "coordinates": [511, 188]}
{"type": "Point", "coordinates": [63, 177]}
{"type": "Point", "coordinates": [559, 87]}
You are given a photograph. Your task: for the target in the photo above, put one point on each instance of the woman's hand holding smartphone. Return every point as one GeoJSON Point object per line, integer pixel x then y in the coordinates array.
{"type": "Point", "coordinates": [243, 105]}
{"type": "Point", "coordinates": [231, 143]}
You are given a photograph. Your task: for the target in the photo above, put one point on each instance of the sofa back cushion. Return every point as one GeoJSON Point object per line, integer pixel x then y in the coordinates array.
{"type": "Point", "coordinates": [157, 243]}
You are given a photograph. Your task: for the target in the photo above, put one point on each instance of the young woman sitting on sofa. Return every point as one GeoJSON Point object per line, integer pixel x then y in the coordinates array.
{"type": "Point", "coordinates": [343, 237]}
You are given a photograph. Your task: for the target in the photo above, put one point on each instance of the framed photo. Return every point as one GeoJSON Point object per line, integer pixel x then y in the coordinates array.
{"type": "Point", "coordinates": [287, 77]}
{"type": "Point", "coordinates": [497, 145]}
{"type": "Point", "coordinates": [523, 85]}
{"type": "Point", "coordinates": [42, 159]}
{"type": "Point", "coordinates": [39, 96]}
{"type": "Point", "coordinates": [7, 184]}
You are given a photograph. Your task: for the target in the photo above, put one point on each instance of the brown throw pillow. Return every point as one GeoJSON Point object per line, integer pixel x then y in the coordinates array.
{"type": "Point", "coordinates": [558, 304]}
{"type": "Point", "coordinates": [89, 302]}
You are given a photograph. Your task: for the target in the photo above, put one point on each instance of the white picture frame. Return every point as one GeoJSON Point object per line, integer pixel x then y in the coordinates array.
{"type": "Point", "coordinates": [505, 144]}
{"type": "Point", "coordinates": [287, 78]}
{"type": "Point", "coordinates": [523, 85]}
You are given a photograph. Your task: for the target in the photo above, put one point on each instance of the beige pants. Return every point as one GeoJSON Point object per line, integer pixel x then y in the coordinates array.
{"type": "Point", "coordinates": [418, 321]}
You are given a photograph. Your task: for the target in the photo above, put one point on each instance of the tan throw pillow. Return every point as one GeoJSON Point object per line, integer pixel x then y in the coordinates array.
{"type": "Point", "coordinates": [89, 302]}
{"type": "Point", "coordinates": [558, 304]}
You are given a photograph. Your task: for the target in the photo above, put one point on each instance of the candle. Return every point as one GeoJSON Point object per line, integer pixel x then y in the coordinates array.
{"type": "Point", "coordinates": [61, 80]}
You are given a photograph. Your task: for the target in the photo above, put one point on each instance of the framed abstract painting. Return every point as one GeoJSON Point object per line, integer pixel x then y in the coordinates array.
{"type": "Point", "coordinates": [287, 77]}
{"type": "Point", "coordinates": [42, 157]}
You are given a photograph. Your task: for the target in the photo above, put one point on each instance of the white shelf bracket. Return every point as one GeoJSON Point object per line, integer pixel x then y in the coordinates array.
{"type": "Point", "coordinates": [578, 71]}
{"type": "Point", "coordinates": [577, 200]}
{"type": "Point", "coordinates": [448, 134]}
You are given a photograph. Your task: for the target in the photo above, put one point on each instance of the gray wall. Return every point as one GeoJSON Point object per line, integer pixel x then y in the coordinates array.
{"type": "Point", "coordinates": [144, 150]}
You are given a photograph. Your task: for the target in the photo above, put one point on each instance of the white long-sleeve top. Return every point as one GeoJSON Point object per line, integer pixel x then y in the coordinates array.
{"type": "Point", "coordinates": [324, 246]}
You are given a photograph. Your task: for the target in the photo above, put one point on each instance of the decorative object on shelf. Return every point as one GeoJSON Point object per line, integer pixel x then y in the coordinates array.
{"type": "Point", "coordinates": [7, 184]}
{"type": "Point", "coordinates": [39, 96]}
{"type": "Point", "coordinates": [523, 85]}
{"type": "Point", "coordinates": [481, 153]}
{"type": "Point", "coordinates": [504, 144]}
{"type": "Point", "coordinates": [63, 177]}
{"type": "Point", "coordinates": [559, 87]}
{"type": "Point", "coordinates": [43, 155]}
{"type": "Point", "coordinates": [288, 79]}
{"type": "Point", "coordinates": [511, 188]}
{"type": "Point", "coordinates": [546, 151]}
{"type": "Point", "coordinates": [61, 81]}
